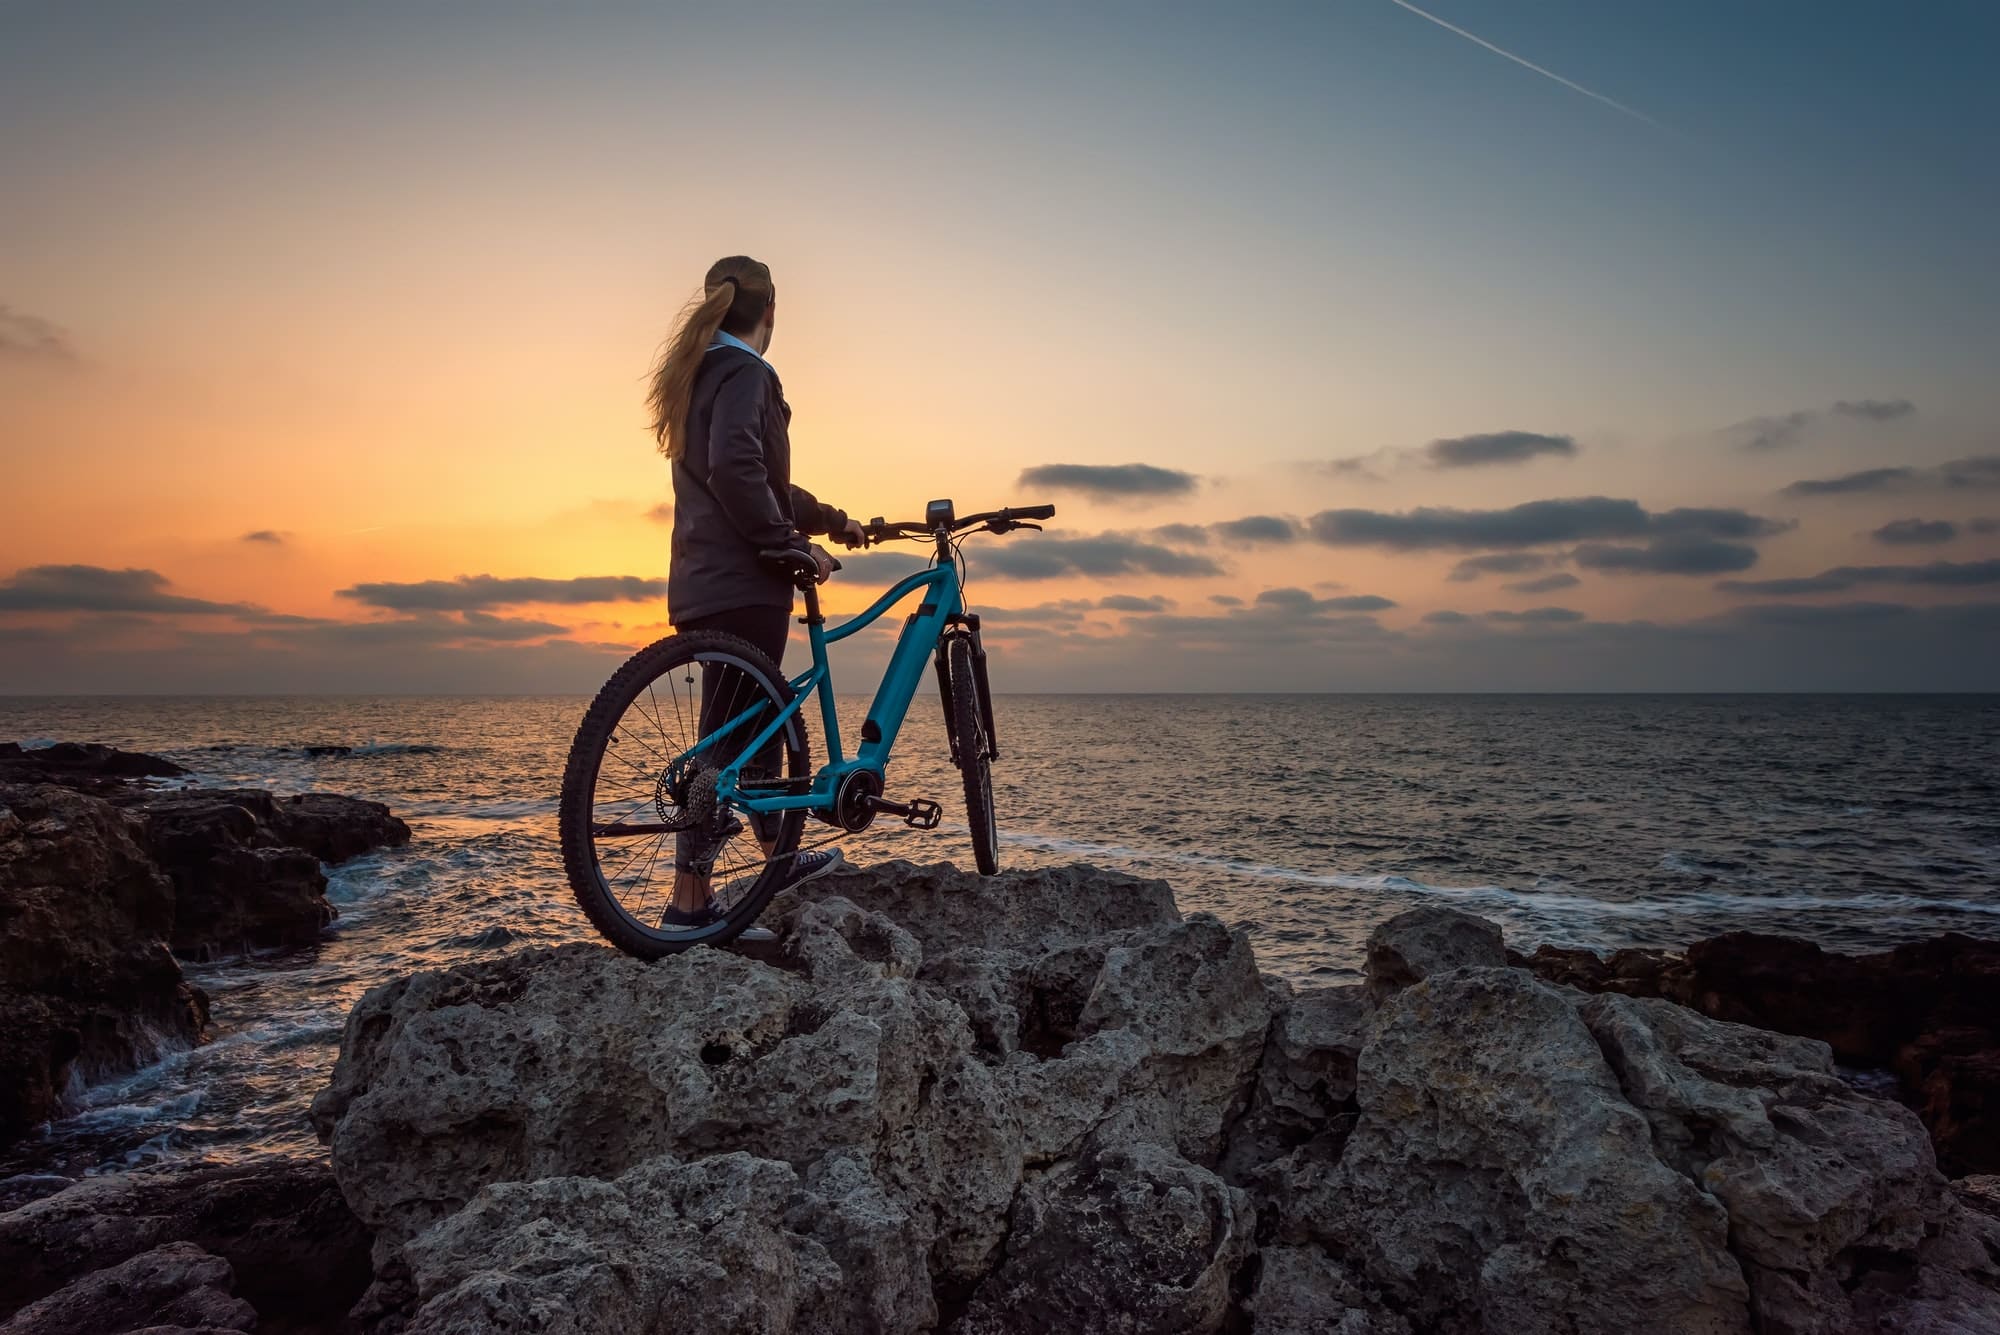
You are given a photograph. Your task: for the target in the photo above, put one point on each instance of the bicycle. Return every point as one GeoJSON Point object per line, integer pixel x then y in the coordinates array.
{"type": "Point", "coordinates": [642, 775]}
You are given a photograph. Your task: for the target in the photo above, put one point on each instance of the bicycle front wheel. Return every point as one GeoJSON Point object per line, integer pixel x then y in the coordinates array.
{"type": "Point", "coordinates": [639, 816]}
{"type": "Point", "coordinates": [968, 727]}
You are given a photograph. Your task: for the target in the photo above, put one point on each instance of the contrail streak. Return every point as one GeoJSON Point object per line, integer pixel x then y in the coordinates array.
{"type": "Point", "coordinates": [1570, 84]}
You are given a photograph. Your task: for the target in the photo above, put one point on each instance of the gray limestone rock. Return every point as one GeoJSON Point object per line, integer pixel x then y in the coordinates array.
{"type": "Point", "coordinates": [1813, 1174]}
{"type": "Point", "coordinates": [1498, 1175]}
{"type": "Point", "coordinates": [176, 1284]}
{"type": "Point", "coordinates": [1412, 946]}
{"type": "Point", "coordinates": [1128, 1239]}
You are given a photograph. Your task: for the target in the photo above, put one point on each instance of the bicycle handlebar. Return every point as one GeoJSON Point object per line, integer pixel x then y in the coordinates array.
{"type": "Point", "coordinates": [1002, 520]}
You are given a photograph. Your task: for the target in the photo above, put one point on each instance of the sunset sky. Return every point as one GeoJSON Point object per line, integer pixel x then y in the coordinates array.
{"type": "Point", "coordinates": [1658, 349]}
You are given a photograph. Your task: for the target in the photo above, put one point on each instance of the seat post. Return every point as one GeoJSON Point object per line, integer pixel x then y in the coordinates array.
{"type": "Point", "coordinates": [812, 616]}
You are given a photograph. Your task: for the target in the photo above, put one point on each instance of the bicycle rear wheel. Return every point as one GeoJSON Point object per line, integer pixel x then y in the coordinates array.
{"type": "Point", "coordinates": [638, 797]}
{"type": "Point", "coordinates": [968, 727]}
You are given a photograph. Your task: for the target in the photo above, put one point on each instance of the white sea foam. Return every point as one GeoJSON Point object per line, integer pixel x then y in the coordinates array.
{"type": "Point", "coordinates": [1504, 898]}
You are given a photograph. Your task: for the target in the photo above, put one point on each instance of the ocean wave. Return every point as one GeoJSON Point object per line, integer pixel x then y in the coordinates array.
{"type": "Point", "coordinates": [1503, 898]}
{"type": "Point", "coordinates": [338, 751]}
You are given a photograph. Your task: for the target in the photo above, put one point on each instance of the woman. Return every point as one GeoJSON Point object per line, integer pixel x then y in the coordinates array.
{"type": "Point", "coordinates": [720, 417]}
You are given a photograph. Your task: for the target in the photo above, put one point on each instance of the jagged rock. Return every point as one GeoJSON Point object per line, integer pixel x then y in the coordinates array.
{"type": "Point", "coordinates": [1414, 945]}
{"type": "Point", "coordinates": [174, 1285]}
{"type": "Point", "coordinates": [1498, 1176]}
{"type": "Point", "coordinates": [1045, 1101]}
{"type": "Point", "coordinates": [246, 865]}
{"type": "Point", "coordinates": [1303, 1291]}
{"type": "Point", "coordinates": [87, 989]}
{"type": "Point", "coordinates": [84, 766]}
{"type": "Point", "coordinates": [733, 1243]}
{"type": "Point", "coordinates": [1031, 912]}
{"type": "Point", "coordinates": [1132, 1238]}
{"type": "Point", "coordinates": [1929, 1011]}
{"type": "Point", "coordinates": [1811, 1173]}
{"type": "Point", "coordinates": [334, 827]}
{"type": "Point", "coordinates": [298, 1252]}
{"type": "Point", "coordinates": [1305, 1080]}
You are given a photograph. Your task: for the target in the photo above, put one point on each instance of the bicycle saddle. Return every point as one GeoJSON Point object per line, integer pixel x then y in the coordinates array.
{"type": "Point", "coordinates": [798, 566]}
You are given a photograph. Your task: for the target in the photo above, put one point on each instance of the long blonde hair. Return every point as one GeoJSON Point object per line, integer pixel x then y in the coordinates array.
{"type": "Point", "coordinates": [733, 298]}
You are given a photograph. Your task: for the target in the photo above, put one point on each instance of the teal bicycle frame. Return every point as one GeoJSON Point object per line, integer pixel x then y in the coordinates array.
{"type": "Point", "coordinates": [919, 640]}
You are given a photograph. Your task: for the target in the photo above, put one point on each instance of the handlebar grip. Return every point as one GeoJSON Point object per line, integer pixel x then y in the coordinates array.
{"type": "Point", "coordinates": [1033, 512]}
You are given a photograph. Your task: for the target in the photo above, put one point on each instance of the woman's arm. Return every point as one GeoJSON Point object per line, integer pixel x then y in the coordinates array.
{"type": "Point", "coordinates": [814, 515]}
{"type": "Point", "coordinates": [737, 474]}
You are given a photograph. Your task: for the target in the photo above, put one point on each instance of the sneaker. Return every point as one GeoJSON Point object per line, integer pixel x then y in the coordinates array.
{"type": "Point", "coordinates": [811, 866]}
{"type": "Point", "coordinates": [674, 916]}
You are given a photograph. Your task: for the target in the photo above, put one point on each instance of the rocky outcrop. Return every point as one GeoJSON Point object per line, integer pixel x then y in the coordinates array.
{"type": "Point", "coordinates": [1046, 1101]}
{"type": "Point", "coordinates": [298, 1255]}
{"type": "Point", "coordinates": [1929, 1012]}
{"type": "Point", "coordinates": [103, 880]}
{"type": "Point", "coordinates": [246, 865]}
{"type": "Point", "coordinates": [87, 986]}
{"type": "Point", "coordinates": [85, 766]}
{"type": "Point", "coordinates": [176, 1287]}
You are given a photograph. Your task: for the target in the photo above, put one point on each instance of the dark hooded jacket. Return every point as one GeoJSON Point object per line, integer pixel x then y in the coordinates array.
{"type": "Point", "coordinates": [733, 492]}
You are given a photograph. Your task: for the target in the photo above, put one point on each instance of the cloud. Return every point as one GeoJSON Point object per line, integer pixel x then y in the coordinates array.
{"type": "Point", "coordinates": [1720, 523]}
{"type": "Point", "coordinates": [1875, 410]}
{"type": "Point", "coordinates": [878, 567]}
{"type": "Point", "coordinates": [1498, 563]}
{"type": "Point", "coordinates": [270, 537]}
{"type": "Point", "coordinates": [1131, 602]}
{"type": "Point", "coordinates": [1446, 617]}
{"type": "Point", "coordinates": [77, 588]}
{"type": "Point", "coordinates": [1532, 524]}
{"type": "Point", "coordinates": [1182, 535]}
{"type": "Point", "coordinates": [1979, 472]}
{"type": "Point", "coordinates": [1935, 574]}
{"type": "Point", "coordinates": [1067, 612]}
{"type": "Point", "coordinates": [471, 592]}
{"type": "Point", "coordinates": [1225, 600]}
{"type": "Point", "coordinates": [1354, 465]}
{"type": "Point", "coordinates": [1770, 433]}
{"type": "Point", "coordinates": [1674, 554]}
{"type": "Point", "coordinates": [1984, 525]}
{"type": "Point", "coordinates": [1495, 447]}
{"type": "Point", "coordinates": [1299, 601]}
{"type": "Point", "coordinates": [1538, 616]}
{"type": "Point", "coordinates": [1257, 529]}
{"type": "Point", "coordinates": [1868, 479]}
{"type": "Point", "coordinates": [1100, 555]}
{"type": "Point", "coordinates": [1546, 584]}
{"type": "Point", "coordinates": [1915, 532]}
{"type": "Point", "coordinates": [1119, 481]}
{"type": "Point", "coordinates": [30, 338]}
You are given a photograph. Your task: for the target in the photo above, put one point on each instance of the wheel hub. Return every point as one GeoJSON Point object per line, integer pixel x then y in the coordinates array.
{"type": "Point", "coordinates": [684, 795]}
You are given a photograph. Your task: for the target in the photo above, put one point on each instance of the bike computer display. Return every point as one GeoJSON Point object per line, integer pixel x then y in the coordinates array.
{"type": "Point", "coordinates": [939, 513]}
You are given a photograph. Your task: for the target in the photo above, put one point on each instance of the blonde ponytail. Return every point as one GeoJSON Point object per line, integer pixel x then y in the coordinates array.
{"type": "Point", "coordinates": [734, 297]}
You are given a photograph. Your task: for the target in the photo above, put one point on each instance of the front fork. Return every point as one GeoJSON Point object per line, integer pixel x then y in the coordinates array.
{"type": "Point", "coordinates": [965, 625]}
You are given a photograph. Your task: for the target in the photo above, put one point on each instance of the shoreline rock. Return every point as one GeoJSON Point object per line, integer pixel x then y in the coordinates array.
{"type": "Point", "coordinates": [268, 1244]}
{"type": "Point", "coordinates": [105, 881]}
{"type": "Point", "coordinates": [1048, 1101]}
{"type": "Point", "coordinates": [1928, 1011]}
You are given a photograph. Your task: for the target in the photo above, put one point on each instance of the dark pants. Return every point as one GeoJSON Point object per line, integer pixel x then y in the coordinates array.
{"type": "Point", "coordinates": [725, 693]}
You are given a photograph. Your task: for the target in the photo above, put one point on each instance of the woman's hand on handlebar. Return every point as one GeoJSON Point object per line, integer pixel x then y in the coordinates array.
{"type": "Point", "coordinates": [854, 535]}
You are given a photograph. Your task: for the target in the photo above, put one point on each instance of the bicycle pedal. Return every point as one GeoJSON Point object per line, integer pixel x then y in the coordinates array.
{"type": "Point", "coordinates": [923, 814]}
